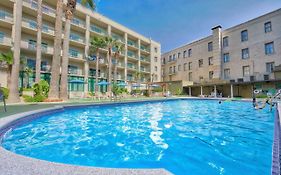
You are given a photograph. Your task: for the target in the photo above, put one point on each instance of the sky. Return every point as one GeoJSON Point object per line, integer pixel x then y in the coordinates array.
{"type": "Point", "coordinates": [174, 23]}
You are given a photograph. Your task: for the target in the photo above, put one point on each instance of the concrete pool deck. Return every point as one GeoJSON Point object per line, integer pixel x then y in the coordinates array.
{"type": "Point", "coordinates": [14, 164]}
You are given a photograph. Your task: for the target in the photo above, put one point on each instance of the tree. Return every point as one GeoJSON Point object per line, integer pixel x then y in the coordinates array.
{"type": "Point", "coordinates": [14, 81]}
{"type": "Point", "coordinates": [56, 61]}
{"type": "Point", "coordinates": [119, 48]}
{"type": "Point", "coordinates": [138, 76]}
{"type": "Point", "coordinates": [96, 44]}
{"type": "Point", "coordinates": [70, 9]}
{"type": "Point", "coordinates": [6, 60]}
{"type": "Point", "coordinates": [28, 71]}
{"type": "Point", "coordinates": [110, 42]}
{"type": "Point", "coordinates": [38, 44]}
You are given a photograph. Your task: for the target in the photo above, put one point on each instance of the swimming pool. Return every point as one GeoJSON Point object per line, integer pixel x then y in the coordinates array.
{"type": "Point", "coordinates": [182, 136]}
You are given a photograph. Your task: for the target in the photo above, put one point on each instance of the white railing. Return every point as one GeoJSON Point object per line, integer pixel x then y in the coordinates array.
{"type": "Point", "coordinates": [6, 16]}
{"type": "Point", "coordinates": [5, 40]}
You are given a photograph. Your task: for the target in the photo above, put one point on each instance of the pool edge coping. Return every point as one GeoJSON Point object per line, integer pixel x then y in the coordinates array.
{"type": "Point", "coordinates": [276, 146]}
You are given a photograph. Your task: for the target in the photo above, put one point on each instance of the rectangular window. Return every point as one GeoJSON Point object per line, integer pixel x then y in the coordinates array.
{"type": "Point", "coordinates": [226, 57]}
{"type": "Point", "coordinates": [190, 76]}
{"type": "Point", "coordinates": [184, 66]}
{"type": "Point", "coordinates": [44, 66]}
{"type": "Point", "coordinates": [179, 67]}
{"type": "Point", "coordinates": [189, 52]}
{"type": "Point", "coordinates": [72, 69]}
{"type": "Point", "coordinates": [245, 53]}
{"type": "Point", "coordinates": [246, 71]}
{"type": "Point", "coordinates": [73, 53]}
{"type": "Point", "coordinates": [155, 59]}
{"type": "Point", "coordinates": [269, 48]}
{"type": "Point", "coordinates": [155, 49]}
{"type": "Point", "coordinates": [210, 46]}
{"type": "Point", "coordinates": [174, 70]}
{"type": "Point", "coordinates": [155, 68]}
{"type": "Point", "coordinates": [32, 44]}
{"type": "Point", "coordinates": [210, 59]}
{"type": "Point", "coordinates": [170, 70]}
{"type": "Point", "coordinates": [174, 57]}
{"type": "Point", "coordinates": [244, 35]}
{"type": "Point", "coordinates": [2, 37]}
{"type": "Point", "coordinates": [31, 63]}
{"type": "Point", "coordinates": [226, 73]}
{"type": "Point", "coordinates": [225, 42]}
{"type": "Point", "coordinates": [200, 62]}
{"type": "Point", "coordinates": [267, 27]}
{"type": "Point", "coordinates": [184, 54]}
{"type": "Point", "coordinates": [170, 58]}
{"type": "Point", "coordinates": [179, 55]}
{"type": "Point", "coordinates": [190, 66]}
{"type": "Point", "coordinates": [270, 67]}
{"type": "Point", "coordinates": [211, 74]}
{"type": "Point", "coordinates": [164, 61]}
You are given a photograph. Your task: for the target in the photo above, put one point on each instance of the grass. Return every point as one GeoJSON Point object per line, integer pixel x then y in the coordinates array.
{"type": "Point", "coordinates": [19, 108]}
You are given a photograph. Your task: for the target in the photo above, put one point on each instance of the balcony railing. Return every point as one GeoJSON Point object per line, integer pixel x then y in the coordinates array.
{"type": "Point", "coordinates": [132, 54]}
{"type": "Point", "coordinates": [75, 54]}
{"type": "Point", "coordinates": [29, 23]}
{"type": "Point", "coordinates": [78, 22]}
{"type": "Point", "coordinates": [131, 66]}
{"type": "Point", "coordinates": [118, 37]}
{"type": "Point", "coordinates": [76, 37]}
{"type": "Point", "coordinates": [45, 9]}
{"type": "Point", "coordinates": [98, 30]}
{"type": "Point", "coordinates": [143, 69]}
{"type": "Point", "coordinates": [143, 58]}
{"type": "Point", "coordinates": [48, 29]}
{"type": "Point", "coordinates": [5, 40]}
{"type": "Point", "coordinates": [6, 16]}
{"type": "Point", "coordinates": [132, 43]}
{"type": "Point", "coordinates": [129, 78]}
{"type": "Point", "coordinates": [144, 48]}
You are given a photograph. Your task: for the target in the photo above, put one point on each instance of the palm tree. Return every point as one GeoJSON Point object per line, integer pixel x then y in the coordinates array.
{"type": "Point", "coordinates": [110, 42]}
{"type": "Point", "coordinates": [38, 44]}
{"type": "Point", "coordinates": [55, 71]}
{"type": "Point", "coordinates": [28, 71]}
{"type": "Point", "coordinates": [119, 48]}
{"type": "Point", "coordinates": [7, 60]}
{"type": "Point", "coordinates": [97, 43]}
{"type": "Point", "coordinates": [14, 81]}
{"type": "Point", "coordinates": [70, 9]}
{"type": "Point", "coordinates": [138, 75]}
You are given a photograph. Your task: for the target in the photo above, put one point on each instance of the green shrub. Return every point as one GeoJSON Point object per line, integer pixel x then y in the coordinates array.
{"type": "Point", "coordinates": [179, 91]}
{"type": "Point", "coordinates": [261, 96]}
{"type": "Point", "coordinates": [117, 90]}
{"type": "Point", "coordinates": [158, 89]}
{"type": "Point", "coordinates": [37, 98]}
{"type": "Point", "coordinates": [41, 88]}
{"type": "Point", "coordinates": [27, 98]}
{"type": "Point", "coordinates": [5, 92]}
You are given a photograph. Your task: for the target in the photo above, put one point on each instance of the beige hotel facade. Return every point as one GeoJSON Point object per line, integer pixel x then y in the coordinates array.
{"type": "Point", "coordinates": [229, 62]}
{"type": "Point", "coordinates": [141, 54]}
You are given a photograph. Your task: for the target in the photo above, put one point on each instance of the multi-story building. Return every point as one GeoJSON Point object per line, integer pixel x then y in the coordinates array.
{"type": "Point", "coordinates": [231, 61]}
{"type": "Point", "coordinates": [140, 54]}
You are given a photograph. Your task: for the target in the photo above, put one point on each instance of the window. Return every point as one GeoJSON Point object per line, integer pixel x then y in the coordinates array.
{"type": "Point", "coordinates": [200, 62]}
{"type": "Point", "coordinates": [210, 59]}
{"type": "Point", "coordinates": [184, 66]}
{"type": "Point", "coordinates": [72, 69]}
{"type": "Point", "coordinates": [44, 66]}
{"type": "Point", "coordinates": [174, 57]}
{"type": "Point", "coordinates": [210, 46]}
{"type": "Point", "coordinates": [155, 68]}
{"type": "Point", "coordinates": [2, 37]}
{"type": "Point", "coordinates": [155, 49]}
{"type": "Point", "coordinates": [267, 27]}
{"type": "Point", "coordinates": [31, 63]}
{"type": "Point", "coordinates": [226, 57]}
{"type": "Point", "coordinates": [190, 66]}
{"type": "Point", "coordinates": [270, 67]}
{"type": "Point", "coordinates": [244, 35]}
{"type": "Point", "coordinates": [211, 74]}
{"type": "Point", "coordinates": [92, 72]}
{"type": "Point", "coordinates": [174, 70]}
{"type": "Point", "coordinates": [164, 61]}
{"type": "Point", "coordinates": [190, 76]}
{"type": "Point", "coordinates": [246, 71]}
{"type": "Point", "coordinates": [245, 53]}
{"type": "Point", "coordinates": [226, 73]}
{"type": "Point", "coordinates": [269, 48]}
{"type": "Point", "coordinates": [44, 47]}
{"type": "Point", "coordinates": [179, 55]}
{"type": "Point", "coordinates": [155, 59]}
{"type": "Point", "coordinates": [32, 44]}
{"type": "Point", "coordinates": [225, 42]}
{"type": "Point", "coordinates": [189, 52]}
{"type": "Point", "coordinates": [184, 54]}
{"type": "Point", "coordinates": [179, 67]}
{"type": "Point", "coordinates": [201, 78]}
{"type": "Point", "coordinates": [170, 70]}
{"type": "Point", "coordinates": [73, 52]}
{"type": "Point", "coordinates": [170, 58]}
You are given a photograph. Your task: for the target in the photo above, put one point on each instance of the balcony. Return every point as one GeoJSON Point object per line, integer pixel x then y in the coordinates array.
{"type": "Point", "coordinates": [132, 44]}
{"type": "Point", "coordinates": [6, 16]}
{"type": "Point", "coordinates": [145, 59]}
{"type": "Point", "coordinates": [118, 37]}
{"type": "Point", "coordinates": [32, 47]}
{"type": "Point", "coordinates": [144, 69]}
{"type": "Point", "coordinates": [129, 78]}
{"type": "Point", "coordinates": [131, 66]}
{"type": "Point", "coordinates": [77, 38]}
{"type": "Point", "coordinates": [45, 9]}
{"type": "Point", "coordinates": [75, 54]}
{"type": "Point", "coordinates": [5, 40]}
{"type": "Point", "coordinates": [120, 64]}
{"type": "Point", "coordinates": [78, 22]}
{"type": "Point", "coordinates": [145, 49]}
{"type": "Point", "coordinates": [47, 29]}
{"type": "Point", "coordinates": [98, 30]}
{"type": "Point", "coordinates": [31, 24]}
{"type": "Point", "coordinates": [131, 55]}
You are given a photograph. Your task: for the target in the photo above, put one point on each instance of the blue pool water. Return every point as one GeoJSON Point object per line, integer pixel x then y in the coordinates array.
{"type": "Point", "coordinates": [182, 136]}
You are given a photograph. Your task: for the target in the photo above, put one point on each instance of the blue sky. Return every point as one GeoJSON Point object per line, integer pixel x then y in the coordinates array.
{"type": "Point", "coordinates": [176, 22]}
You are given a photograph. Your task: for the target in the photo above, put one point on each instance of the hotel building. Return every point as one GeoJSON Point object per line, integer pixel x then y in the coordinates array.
{"type": "Point", "coordinates": [140, 53]}
{"type": "Point", "coordinates": [231, 62]}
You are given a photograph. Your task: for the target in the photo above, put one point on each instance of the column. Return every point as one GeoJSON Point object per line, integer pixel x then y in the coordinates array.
{"type": "Point", "coordinates": [217, 52]}
{"type": "Point", "coordinates": [126, 55]}
{"type": "Point", "coordinates": [189, 91]}
{"type": "Point", "coordinates": [139, 54]}
{"type": "Point", "coordinates": [86, 53]}
{"type": "Point", "coordinates": [231, 90]}
{"type": "Point", "coordinates": [215, 89]}
{"type": "Point", "coordinates": [201, 93]}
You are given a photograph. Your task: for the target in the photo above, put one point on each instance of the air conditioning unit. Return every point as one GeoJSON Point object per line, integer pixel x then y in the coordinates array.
{"type": "Point", "coordinates": [232, 81]}
{"type": "Point", "coordinates": [240, 80]}
{"type": "Point", "coordinates": [266, 77]}
{"type": "Point", "coordinates": [252, 78]}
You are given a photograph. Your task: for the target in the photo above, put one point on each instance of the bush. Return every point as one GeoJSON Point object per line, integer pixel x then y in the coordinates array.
{"type": "Point", "coordinates": [27, 98]}
{"type": "Point", "coordinates": [159, 89]}
{"type": "Point", "coordinates": [5, 92]}
{"type": "Point", "coordinates": [116, 90]}
{"type": "Point", "coordinates": [41, 88]}
{"type": "Point", "coordinates": [261, 96]}
{"type": "Point", "coordinates": [37, 98]}
{"type": "Point", "coordinates": [179, 91]}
